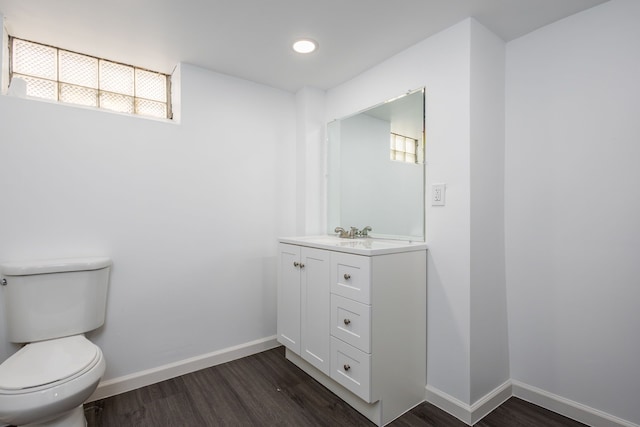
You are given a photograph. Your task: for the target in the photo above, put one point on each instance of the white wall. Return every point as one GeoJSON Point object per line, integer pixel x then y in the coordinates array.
{"type": "Point", "coordinates": [572, 210]}
{"type": "Point", "coordinates": [489, 337]}
{"type": "Point", "coordinates": [442, 64]}
{"type": "Point", "coordinates": [189, 212]}
{"type": "Point", "coordinates": [310, 161]}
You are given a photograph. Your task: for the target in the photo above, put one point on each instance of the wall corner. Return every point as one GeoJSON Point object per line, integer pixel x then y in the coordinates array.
{"type": "Point", "coordinates": [489, 349]}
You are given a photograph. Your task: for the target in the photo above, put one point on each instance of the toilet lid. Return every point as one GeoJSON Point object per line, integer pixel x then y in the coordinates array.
{"type": "Point", "coordinates": [45, 362]}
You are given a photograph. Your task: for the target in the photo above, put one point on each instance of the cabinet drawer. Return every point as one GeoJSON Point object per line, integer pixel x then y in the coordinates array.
{"type": "Point", "coordinates": [351, 322]}
{"type": "Point", "coordinates": [351, 368]}
{"type": "Point", "coordinates": [351, 276]}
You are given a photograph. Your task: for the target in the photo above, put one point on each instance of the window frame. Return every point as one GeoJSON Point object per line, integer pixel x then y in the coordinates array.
{"type": "Point", "coordinates": [99, 91]}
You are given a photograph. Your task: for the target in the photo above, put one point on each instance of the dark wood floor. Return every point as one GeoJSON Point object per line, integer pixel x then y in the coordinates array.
{"type": "Point", "coordinates": [267, 390]}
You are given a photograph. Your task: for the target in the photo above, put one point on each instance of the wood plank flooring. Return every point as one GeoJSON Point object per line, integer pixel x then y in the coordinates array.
{"type": "Point", "coordinates": [267, 390]}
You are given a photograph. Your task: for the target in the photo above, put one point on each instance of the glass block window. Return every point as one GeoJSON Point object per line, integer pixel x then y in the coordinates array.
{"type": "Point", "coordinates": [405, 149]}
{"type": "Point", "coordinates": [74, 78]}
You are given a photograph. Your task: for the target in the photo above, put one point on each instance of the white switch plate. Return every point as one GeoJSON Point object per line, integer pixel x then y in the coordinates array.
{"type": "Point", "coordinates": [437, 194]}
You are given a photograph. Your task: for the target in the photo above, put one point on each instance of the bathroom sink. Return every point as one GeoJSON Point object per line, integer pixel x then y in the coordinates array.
{"type": "Point", "coordinates": [360, 246]}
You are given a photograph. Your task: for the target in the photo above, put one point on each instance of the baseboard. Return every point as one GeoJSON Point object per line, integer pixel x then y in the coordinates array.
{"type": "Point", "coordinates": [147, 377]}
{"type": "Point", "coordinates": [469, 414]}
{"type": "Point", "coordinates": [490, 401]}
{"type": "Point", "coordinates": [566, 407]}
{"type": "Point", "coordinates": [449, 404]}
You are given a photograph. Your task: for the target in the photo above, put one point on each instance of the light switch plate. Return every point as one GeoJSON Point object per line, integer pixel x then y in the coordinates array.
{"type": "Point", "coordinates": [437, 194]}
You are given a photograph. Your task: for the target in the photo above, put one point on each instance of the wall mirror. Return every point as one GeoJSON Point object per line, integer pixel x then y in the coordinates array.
{"type": "Point", "coordinates": [376, 169]}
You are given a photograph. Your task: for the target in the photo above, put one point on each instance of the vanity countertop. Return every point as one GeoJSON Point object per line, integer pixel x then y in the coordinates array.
{"type": "Point", "coordinates": [359, 246]}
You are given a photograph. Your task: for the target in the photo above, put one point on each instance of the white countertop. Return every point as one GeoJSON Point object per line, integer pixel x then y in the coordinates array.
{"type": "Point", "coordinates": [359, 246]}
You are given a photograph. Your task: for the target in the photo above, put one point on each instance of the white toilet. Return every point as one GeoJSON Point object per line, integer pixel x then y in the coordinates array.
{"type": "Point", "coordinates": [49, 305]}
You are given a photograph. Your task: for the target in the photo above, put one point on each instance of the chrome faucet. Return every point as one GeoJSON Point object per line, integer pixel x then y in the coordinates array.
{"type": "Point", "coordinates": [353, 232]}
{"type": "Point", "coordinates": [342, 232]}
{"type": "Point", "coordinates": [365, 231]}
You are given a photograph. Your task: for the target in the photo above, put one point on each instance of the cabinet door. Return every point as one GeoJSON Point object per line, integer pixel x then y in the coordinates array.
{"type": "Point", "coordinates": [316, 308]}
{"type": "Point", "coordinates": [288, 328]}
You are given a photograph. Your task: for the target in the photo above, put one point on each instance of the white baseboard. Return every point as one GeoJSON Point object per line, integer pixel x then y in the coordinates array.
{"type": "Point", "coordinates": [490, 401]}
{"type": "Point", "coordinates": [566, 407]}
{"type": "Point", "coordinates": [469, 414]}
{"type": "Point", "coordinates": [161, 373]}
{"type": "Point", "coordinates": [449, 404]}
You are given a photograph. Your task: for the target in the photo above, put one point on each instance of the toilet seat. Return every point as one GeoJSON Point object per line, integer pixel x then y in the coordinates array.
{"type": "Point", "coordinates": [44, 364]}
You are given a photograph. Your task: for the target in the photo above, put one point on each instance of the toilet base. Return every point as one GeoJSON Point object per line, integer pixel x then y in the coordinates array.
{"type": "Point", "coordinates": [73, 418]}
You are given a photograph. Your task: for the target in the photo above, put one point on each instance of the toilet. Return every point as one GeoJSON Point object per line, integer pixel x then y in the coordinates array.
{"type": "Point", "coordinates": [49, 305]}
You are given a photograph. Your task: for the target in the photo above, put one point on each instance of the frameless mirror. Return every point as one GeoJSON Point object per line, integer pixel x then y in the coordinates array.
{"type": "Point", "coordinates": [375, 164]}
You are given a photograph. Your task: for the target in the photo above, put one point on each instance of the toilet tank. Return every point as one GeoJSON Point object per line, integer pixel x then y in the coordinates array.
{"type": "Point", "coordinates": [54, 298]}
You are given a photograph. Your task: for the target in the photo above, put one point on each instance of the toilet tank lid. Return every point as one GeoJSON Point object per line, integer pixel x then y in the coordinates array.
{"type": "Point", "coordinates": [24, 268]}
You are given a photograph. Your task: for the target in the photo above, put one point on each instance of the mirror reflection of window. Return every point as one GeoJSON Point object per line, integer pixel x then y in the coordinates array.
{"type": "Point", "coordinates": [405, 149]}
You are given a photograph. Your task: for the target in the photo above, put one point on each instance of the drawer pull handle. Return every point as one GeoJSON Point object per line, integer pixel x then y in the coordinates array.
{"type": "Point", "coordinates": [347, 276]}
{"type": "Point", "coordinates": [346, 367]}
{"type": "Point", "coordinates": [296, 264]}
{"type": "Point", "coordinates": [347, 321]}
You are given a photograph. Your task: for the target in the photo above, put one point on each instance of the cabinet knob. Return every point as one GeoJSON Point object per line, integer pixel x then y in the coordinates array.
{"type": "Point", "coordinates": [346, 321]}
{"type": "Point", "coordinates": [346, 367]}
{"type": "Point", "coordinates": [301, 265]}
{"type": "Point", "coordinates": [347, 276]}
{"type": "Point", "coordinates": [296, 264]}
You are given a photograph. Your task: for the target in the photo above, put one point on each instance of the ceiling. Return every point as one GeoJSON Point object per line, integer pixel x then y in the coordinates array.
{"type": "Point", "coordinates": [252, 39]}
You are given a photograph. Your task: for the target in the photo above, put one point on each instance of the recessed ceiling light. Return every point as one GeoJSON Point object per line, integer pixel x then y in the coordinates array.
{"type": "Point", "coordinates": [305, 46]}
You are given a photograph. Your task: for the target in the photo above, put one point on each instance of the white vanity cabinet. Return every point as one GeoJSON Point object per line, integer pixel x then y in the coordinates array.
{"type": "Point", "coordinates": [356, 319]}
{"type": "Point", "coordinates": [303, 303]}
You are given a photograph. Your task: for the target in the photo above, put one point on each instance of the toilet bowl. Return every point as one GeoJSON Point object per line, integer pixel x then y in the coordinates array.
{"type": "Point", "coordinates": [46, 383]}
